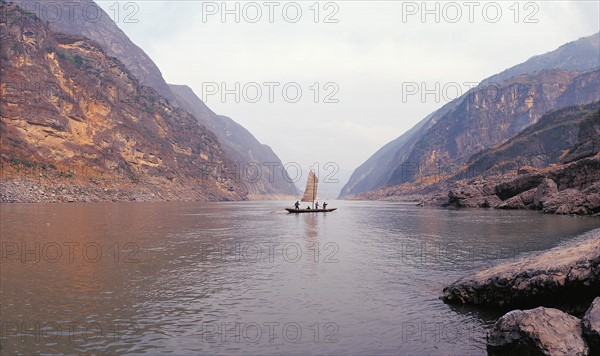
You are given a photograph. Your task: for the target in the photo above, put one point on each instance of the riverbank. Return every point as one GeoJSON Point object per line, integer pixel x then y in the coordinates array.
{"type": "Point", "coordinates": [565, 189]}
{"type": "Point", "coordinates": [152, 189]}
{"type": "Point", "coordinates": [565, 278]}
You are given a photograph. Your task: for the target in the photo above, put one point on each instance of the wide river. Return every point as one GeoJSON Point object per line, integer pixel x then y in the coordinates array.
{"type": "Point", "coordinates": [248, 278]}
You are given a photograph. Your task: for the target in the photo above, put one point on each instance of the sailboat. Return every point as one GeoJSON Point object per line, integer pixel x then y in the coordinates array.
{"type": "Point", "coordinates": [310, 194]}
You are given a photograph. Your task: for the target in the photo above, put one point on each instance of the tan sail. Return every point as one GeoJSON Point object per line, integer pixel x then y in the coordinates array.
{"type": "Point", "coordinates": [310, 193]}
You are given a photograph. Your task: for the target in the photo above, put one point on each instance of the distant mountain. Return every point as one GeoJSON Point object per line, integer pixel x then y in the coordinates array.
{"type": "Point", "coordinates": [580, 55]}
{"type": "Point", "coordinates": [475, 126]}
{"type": "Point", "coordinates": [272, 180]}
{"type": "Point", "coordinates": [237, 142]}
{"type": "Point", "coordinates": [82, 119]}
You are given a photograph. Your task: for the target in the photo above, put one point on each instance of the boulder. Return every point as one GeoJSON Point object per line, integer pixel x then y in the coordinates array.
{"type": "Point", "coordinates": [547, 188]}
{"type": "Point", "coordinates": [566, 272]}
{"type": "Point", "coordinates": [520, 201]}
{"type": "Point", "coordinates": [539, 331]}
{"type": "Point", "coordinates": [590, 325]}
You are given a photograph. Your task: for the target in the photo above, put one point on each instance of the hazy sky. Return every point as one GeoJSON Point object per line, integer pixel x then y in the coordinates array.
{"type": "Point", "coordinates": [381, 66]}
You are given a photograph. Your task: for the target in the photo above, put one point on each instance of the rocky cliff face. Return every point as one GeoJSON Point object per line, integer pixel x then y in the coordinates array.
{"type": "Point", "coordinates": [85, 18]}
{"type": "Point", "coordinates": [79, 117]}
{"type": "Point", "coordinates": [499, 107]}
{"type": "Point", "coordinates": [266, 177]}
{"type": "Point", "coordinates": [564, 135]}
{"type": "Point", "coordinates": [487, 117]}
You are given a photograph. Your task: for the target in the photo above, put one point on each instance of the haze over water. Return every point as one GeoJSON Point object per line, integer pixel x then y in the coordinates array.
{"type": "Point", "coordinates": [232, 278]}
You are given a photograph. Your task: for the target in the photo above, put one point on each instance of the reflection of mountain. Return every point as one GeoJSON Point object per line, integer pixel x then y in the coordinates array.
{"type": "Point", "coordinates": [449, 137]}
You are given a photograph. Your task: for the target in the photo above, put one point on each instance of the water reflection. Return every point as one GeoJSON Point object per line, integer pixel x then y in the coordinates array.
{"type": "Point", "coordinates": [373, 270]}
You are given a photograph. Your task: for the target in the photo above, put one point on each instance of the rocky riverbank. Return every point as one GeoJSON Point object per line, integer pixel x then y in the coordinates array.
{"type": "Point", "coordinates": [570, 189]}
{"type": "Point", "coordinates": [565, 278]}
{"type": "Point", "coordinates": [47, 190]}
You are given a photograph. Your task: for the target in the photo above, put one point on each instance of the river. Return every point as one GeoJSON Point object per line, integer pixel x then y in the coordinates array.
{"type": "Point", "coordinates": [246, 277]}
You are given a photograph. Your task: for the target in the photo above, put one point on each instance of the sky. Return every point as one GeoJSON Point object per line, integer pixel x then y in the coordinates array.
{"type": "Point", "coordinates": [328, 83]}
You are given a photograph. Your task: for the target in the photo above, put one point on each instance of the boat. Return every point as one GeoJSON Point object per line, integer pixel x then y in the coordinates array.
{"type": "Point", "coordinates": [310, 194]}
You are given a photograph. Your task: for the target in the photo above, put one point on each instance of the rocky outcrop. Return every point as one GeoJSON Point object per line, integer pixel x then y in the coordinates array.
{"type": "Point", "coordinates": [590, 325]}
{"type": "Point", "coordinates": [539, 331]}
{"type": "Point", "coordinates": [566, 272]}
{"type": "Point", "coordinates": [573, 188]}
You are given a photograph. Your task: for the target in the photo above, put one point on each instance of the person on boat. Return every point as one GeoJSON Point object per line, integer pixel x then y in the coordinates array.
{"type": "Point", "coordinates": [317, 205]}
{"type": "Point", "coordinates": [324, 205]}
{"type": "Point", "coordinates": [308, 207]}
{"type": "Point", "coordinates": [297, 205]}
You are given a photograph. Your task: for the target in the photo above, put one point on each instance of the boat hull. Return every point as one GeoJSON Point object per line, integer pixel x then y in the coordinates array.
{"type": "Point", "coordinates": [300, 211]}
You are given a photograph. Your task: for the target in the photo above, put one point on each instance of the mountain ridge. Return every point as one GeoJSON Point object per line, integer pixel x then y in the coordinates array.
{"type": "Point", "coordinates": [369, 175]}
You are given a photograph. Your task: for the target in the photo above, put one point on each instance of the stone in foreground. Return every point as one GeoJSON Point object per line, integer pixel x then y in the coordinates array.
{"type": "Point", "coordinates": [590, 324]}
{"type": "Point", "coordinates": [539, 331]}
{"type": "Point", "coordinates": [562, 273]}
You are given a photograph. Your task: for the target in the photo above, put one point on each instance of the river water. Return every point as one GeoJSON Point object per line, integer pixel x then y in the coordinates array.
{"type": "Point", "coordinates": [233, 278]}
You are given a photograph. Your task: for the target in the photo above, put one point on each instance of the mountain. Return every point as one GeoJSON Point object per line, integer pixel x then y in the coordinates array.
{"type": "Point", "coordinates": [580, 55]}
{"type": "Point", "coordinates": [236, 141]}
{"type": "Point", "coordinates": [271, 181]}
{"type": "Point", "coordinates": [406, 157]}
{"type": "Point", "coordinates": [376, 171]}
{"type": "Point", "coordinates": [85, 18]}
{"type": "Point", "coordinates": [73, 115]}
{"type": "Point", "coordinates": [482, 121]}
{"type": "Point", "coordinates": [560, 136]}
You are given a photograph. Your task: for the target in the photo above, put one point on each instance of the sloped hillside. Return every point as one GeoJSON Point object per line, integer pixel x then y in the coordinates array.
{"type": "Point", "coordinates": [73, 115]}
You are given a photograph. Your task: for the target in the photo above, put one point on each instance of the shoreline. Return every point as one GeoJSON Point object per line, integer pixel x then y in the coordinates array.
{"type": "Point", "coordinates": [557, 286]}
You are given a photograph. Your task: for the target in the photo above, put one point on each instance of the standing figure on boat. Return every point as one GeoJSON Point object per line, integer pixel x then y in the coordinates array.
{"type": "Point", "coordinates": [297, 205]}
{"type": "Point", "coordinates": [324, 205]}
{"type": "Point", "coordinates": [317, 205]}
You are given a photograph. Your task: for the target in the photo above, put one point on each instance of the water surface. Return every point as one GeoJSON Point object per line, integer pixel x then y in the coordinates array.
{"type": "Point", "coordinates": [232, 278]}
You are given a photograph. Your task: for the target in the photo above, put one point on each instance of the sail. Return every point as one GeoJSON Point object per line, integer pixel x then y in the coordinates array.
{"type": "Point", "coordinates": [310, 193]}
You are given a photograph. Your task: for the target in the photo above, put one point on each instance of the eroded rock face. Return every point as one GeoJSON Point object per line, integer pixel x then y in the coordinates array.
{"type": "Point", "coordinates": [590, 325]}
{"type": "Point", "coordinates": [563, 273]}
{"type": "Point", "coordinates": [545, 189]}
{"type": "Point", "coordinates": [570, 189]}
{"type": "Point", "coordinates": [539, 331]}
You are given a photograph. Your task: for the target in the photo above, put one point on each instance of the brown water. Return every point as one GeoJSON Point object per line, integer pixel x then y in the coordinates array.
{"type": "Point", "coordinates": [231, 278]}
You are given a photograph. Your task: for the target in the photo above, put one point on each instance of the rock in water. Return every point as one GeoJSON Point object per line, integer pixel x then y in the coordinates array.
{"type": "Point", "coordinates": [566, 272]}
{"type": "Point", "coordinates": [539, 331]}
{"type": "Point", "coordinates": [590, 324]}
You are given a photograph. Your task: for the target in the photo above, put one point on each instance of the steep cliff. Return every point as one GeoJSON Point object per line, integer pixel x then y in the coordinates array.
{"type": "Point", "coordinates": [266, 176]}
{"type": "Point", "coordinates": [74, 115]}
{"type": "Point", "coordinates": [85, 18]}
{"type": "Point", "coordinates": [487, 117]}
{"type": "Point", "coordinates": [563, 135]}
